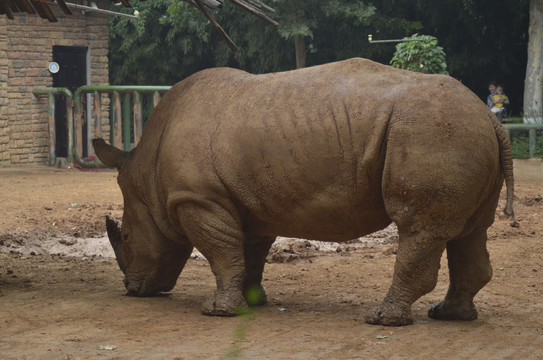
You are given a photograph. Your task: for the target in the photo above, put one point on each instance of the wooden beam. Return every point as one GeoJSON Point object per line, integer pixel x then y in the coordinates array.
{"type": "Point", "coordinates": [25, 5]}
{"type": "Point", "coordinates": [44, 11]}
{"type": "Point", "coordinates": [260, 5]}
{"type": "Point", "coordinates": [12, 5]}
{"type": "Point", "coordinates": [251, 9]}
{"type": "Point", "coordinates": [64, 7]}
{"type": "Point", "coordinates": [215, 24]}
{"type": "Point", "coordinates": [4, 9]}
{"type": "Point", "coordinates": [41, 7]}
{"type": "Point", "coordinates": [38, 9]}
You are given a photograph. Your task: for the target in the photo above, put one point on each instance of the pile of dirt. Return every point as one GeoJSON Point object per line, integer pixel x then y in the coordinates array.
{"type": "Point", "coordinates": [291, 249]}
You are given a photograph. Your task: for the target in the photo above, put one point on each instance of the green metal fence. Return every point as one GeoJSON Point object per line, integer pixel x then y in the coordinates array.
{"type": "Point", "coordinates": [51, 92]}
{"type": "Point", "coordinates": [126, 107]}
{"type": "Point", "coordinates": [125, 121]}
{"type": "Point", "coordinates": [523, 128]}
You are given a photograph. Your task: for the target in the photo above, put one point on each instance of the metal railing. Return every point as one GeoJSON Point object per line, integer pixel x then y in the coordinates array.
{"type": "Point", "coordinates": [120, 123]}
{"type": "Point", "coordinates": [51, 92]}
{"type": "Point", "coordinates": [126, 119]}
{"type": "Point", "coordinates": [532, 135]}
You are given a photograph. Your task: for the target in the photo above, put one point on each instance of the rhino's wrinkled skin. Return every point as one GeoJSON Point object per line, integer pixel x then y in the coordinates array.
{"type": "Point", "coordinates": [230, 160]}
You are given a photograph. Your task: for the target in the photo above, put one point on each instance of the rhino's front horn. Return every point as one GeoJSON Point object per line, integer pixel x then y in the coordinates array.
{"type": "Point", "coordinates": [110, 155]}
{"type": "Point", "coordinates": [113, 233]}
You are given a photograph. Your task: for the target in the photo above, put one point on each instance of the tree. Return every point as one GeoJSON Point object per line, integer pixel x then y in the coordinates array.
{"type": "Point", "coordinates": [144, 52]}
{"type": "Point", "coordinates": [296, 27]}
{"type": "Point", "coordinates": [485, 40]}
{"type": "Point", "coordinates": [300, 19]}
{"type": "Point", "coordinates": [533, 83]}
{"type": "Point", "coordinates": [329, 31]}
{"type": "Point", "coordinates": [422, 54]}
{"type": "Point", "coordinates": [325, 32]}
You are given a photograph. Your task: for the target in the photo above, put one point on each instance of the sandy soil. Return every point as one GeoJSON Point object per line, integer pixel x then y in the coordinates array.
{"type": "Point", "coordinates": [72, 305]}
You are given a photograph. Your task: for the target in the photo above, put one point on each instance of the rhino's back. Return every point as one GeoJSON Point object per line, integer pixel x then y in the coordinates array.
{"type": "Point", "coordinates": [293, 146]}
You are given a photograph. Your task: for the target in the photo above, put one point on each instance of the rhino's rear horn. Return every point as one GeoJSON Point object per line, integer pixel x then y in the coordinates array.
{"type": "Point", "coordinates": [113, 232]}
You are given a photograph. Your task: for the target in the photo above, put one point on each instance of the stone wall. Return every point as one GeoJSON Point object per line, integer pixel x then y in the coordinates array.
{"type": "Point", "coordinates": [26, 49]}
{"type": "Point", "coordinates": [4, 100]}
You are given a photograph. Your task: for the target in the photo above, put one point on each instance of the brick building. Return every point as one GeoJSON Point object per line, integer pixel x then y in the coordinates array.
{"type": "Point", "coordinates": [28, 44]}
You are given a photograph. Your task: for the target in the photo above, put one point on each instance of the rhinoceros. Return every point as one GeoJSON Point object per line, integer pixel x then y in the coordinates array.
{"type": "Point", "coordinates": [230, 160]}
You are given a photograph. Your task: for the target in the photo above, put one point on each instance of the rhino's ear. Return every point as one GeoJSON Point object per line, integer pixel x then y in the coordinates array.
{"type": "Point", "coordinates": [110, 155]}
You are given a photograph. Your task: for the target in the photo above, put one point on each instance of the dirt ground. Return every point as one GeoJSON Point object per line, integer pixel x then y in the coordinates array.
{"type": "Point", "coordinates": [62, 296]}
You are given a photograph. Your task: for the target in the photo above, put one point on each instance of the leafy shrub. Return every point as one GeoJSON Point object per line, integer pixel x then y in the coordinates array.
{"type": "Point", "coordinates": [422, 55]}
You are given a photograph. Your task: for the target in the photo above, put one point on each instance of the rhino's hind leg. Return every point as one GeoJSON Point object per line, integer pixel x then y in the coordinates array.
{"type": "Point", "coordinates": [469, 271]}
{"type": "Point", "coordinates": [256, 250]}
{"type": "Point", "coordinates": [415, 274]}
{"type": "Point", "coordinates": [217, 234]}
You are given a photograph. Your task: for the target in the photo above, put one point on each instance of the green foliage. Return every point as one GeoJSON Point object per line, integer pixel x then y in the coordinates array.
{"type": "Point", "coordinates": [161, 47]}
{"type": "Point", "coordinates": [485, 40]}
{"type": "Point", "coordinates": [420, 55]}
{"type": "Point", "coordinates": [357, 13]}
{"type": "Point", "coordinates": [172, 40]}
{"type": "Point", "coordinates": [294, 17]}
{"type": "Point", "coordinates": [514, 120]}
{"type": "Point", "coordinates": [332, 31]}
{"type": "Point", "coordinates": [261, 48]}
{"type": "Point", "coordinates": [302, 17]}
{"type": "Point", "coordinates": [521, 145]}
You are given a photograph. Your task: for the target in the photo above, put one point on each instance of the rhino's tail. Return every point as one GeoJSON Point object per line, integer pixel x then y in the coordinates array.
{"type": "Point", "coordinates": [506, 160]}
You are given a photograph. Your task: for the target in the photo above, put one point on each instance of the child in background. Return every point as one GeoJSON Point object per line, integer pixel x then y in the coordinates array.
{"type": "Point", "coordinates": [492, 90]}
{"type": "Point", "coordinates": [499, 100]}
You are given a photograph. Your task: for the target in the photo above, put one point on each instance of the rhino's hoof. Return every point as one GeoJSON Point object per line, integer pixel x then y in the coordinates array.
{"type": "Point", "coordinates": [224, 306]}
{"type": "Point", "coordinates": [255, 295]}
{"type": "Point", "coordinates": [446, 310]}
{"type": "Point", "coordinates": [389, 315]}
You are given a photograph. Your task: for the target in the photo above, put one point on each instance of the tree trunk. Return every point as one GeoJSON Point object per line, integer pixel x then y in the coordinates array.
{"type": "Point", "coordinates": [299, 44]}
{"type": "Point", "coordinates": [533, 84]}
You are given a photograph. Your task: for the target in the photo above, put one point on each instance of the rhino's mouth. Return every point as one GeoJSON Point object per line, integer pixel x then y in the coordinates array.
{"type": "Point", "coordinates": [138, 288]}
{"type": "Point", "coordinates": [142, 288]}
{"type": "Point", "coordinates": [133, 288]}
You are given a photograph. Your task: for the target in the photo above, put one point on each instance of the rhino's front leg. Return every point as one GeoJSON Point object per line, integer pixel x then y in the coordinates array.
{"type": "Point", "coordinates": [217, 234]}
{"type": "Point", "coordinates": [256, 250]}
{"type": "Point", "coordinates": [415, 274]}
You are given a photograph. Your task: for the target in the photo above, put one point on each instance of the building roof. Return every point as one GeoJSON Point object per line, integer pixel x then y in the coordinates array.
{"type": "Point", "coordinates": [40, 7]}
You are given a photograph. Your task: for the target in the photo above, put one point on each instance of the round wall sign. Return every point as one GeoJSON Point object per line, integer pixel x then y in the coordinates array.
{"type": "Point", "coordinates": [54, 68]}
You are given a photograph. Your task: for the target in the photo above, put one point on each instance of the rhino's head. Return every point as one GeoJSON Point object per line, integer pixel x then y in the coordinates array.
{"type": "Point", "coordinates": [150, 261]}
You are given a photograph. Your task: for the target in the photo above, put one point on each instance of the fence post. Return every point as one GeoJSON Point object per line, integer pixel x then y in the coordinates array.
{"type": "Point", "coordinates": [138, 118]}
{"type": "Point", "coordinates": [51, 104]}
{"type": "Point", "coordinates": [70, 124]}
{"type": "Point", "coordinates": [117, 122]}
{"type": "Point", "coordinates": [126, 122]}
{"type": "Point", "coordinates": [531, 142]}
{"type": "Point", "coordinates": [120, 119]}
{"type": "Point", "coordinates": [156, 99]}
{"type": "Point", "coordinates": [78, 127]}
{"type": "Point", "coordinates": [52, 130]}
{"type": "Point", "coordinates": [97, 130]}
